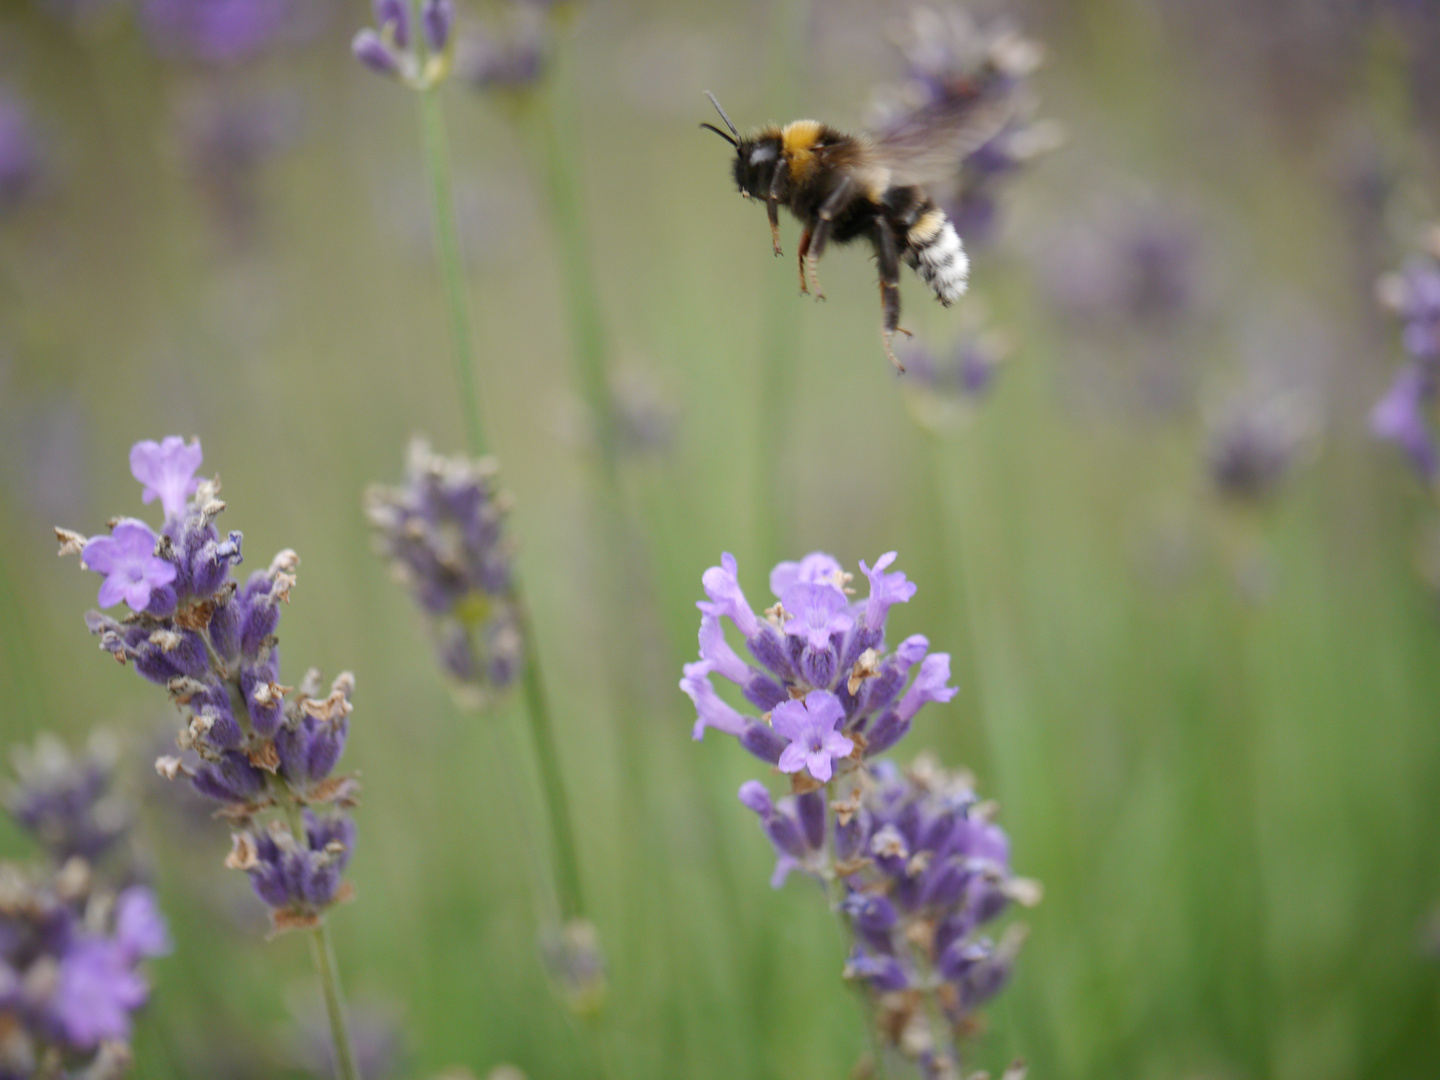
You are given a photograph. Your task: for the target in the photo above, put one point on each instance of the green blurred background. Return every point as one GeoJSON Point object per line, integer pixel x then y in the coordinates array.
{"type": "Point", "coordinates": [1210, 726]}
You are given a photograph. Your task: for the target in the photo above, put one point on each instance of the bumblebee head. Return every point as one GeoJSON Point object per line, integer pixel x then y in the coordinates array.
{"type": "Point", "coordinates": [755, 159]}
{"type": "Point", "coordinates": [755, 163]}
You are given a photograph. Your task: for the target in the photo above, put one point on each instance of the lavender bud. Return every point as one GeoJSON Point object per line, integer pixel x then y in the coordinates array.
{"type": "Point", "coordinates": [372, 51]}
{"type": "Point", "coordinates": [437, 17]}
{"type": "Point", "coordinates": [394, 14]}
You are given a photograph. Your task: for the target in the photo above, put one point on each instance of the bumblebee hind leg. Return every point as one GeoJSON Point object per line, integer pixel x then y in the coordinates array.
{"type": "Point", "coordinates": [888, 258]}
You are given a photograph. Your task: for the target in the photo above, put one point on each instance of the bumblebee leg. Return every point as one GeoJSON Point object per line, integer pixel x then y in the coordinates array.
{"type": "Point", "coordinates": [804, 250]}
{"type": "Point", "coordinates": [888, 257]}
{"type": "Point", "coordinates": [772, 208]}
{"type": "Point", "coordinates": [833, 204]}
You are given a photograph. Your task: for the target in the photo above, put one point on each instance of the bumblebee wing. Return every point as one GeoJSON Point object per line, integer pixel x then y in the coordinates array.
{"type": "Point", "coordinates": [927, 145]}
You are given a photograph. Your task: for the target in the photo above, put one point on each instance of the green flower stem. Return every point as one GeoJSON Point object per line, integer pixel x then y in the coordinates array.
{"type": "Point", "coordinates": [558, 134]}
{"type": "Point", "coordinates": [542, 732]}
{"type": "Point", "coordinates": [552, 781]}
{"type": "Point", "coordinates": [324, 954]}
{"type": "Point", "coordinates": [452, 272]}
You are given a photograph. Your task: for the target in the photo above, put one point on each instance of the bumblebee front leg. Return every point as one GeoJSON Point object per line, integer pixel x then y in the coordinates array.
{"type": "Point", "coordinates": [804, 251]}
{"type": "Point", "coordinates": [772, 209]}
{"type": "Point", "coordinates": [833, 204]}
{"type": "Point", "coordinates": [888, 257]}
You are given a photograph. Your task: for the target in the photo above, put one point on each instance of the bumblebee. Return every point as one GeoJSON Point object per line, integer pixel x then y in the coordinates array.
{"type": "Point", "coordinates": [847, 187]}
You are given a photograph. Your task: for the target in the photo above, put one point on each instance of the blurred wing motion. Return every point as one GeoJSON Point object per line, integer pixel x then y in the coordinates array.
{"type": "Point", "coordinates": [927, 145]}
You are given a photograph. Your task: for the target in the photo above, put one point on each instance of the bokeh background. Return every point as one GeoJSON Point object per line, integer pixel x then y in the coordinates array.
{"type": "Point", "coordinates": [1208, 711]}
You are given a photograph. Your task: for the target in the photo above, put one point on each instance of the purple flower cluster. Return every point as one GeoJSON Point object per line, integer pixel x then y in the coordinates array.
{"type": "Point", "coordinates": [825, 688]}
{"type": "Point", "coordinates": [443, 531]}
{"type": "Point", "coordinates": [1404, 415]}
{"type": "Point", "coordinates": [1254, 443]}
{"type": "Point", "coordinates": [70, 980]}
{"type": "Point", "coordinates": [513, 54]}
{"type": "Point", "coordinates": [220, 31]}
{"type": "Point", "coordinates": [912, 861]}
{"type": "Point", "coordinates": [249, 742]}
{"type": "Point", "coordinates": [948, 384]}
{"type": "Point", "coordinates": [965, 76]}
{"type": "Point", "coordinates": [65, 800]}
{"type": "Point", "coordinates": [394, 48]}
{"type": "Point", "coordinates": [19, 154]}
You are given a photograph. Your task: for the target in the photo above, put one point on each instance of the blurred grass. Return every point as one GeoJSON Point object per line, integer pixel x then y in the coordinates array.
{"type": "Point", "coordinates": [1232, 804]}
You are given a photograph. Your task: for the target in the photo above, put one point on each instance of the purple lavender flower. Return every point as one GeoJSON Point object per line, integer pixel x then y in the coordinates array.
{"type": "Point", "coordinates": [97, 990]}
{"type": "Point", "coordinates": [128, 561]}
{"type": "Point", "coordinates": [392, 47]}
{"type": "Point", "coordinates": [65, 800]}
{"type": "Point", "coordinates": [946, 385]}
{"type": "Point", "coordinates": [443, 532]}
{"type": "Point", "coordinates": [815, 639]}
{"type": "Point", "coordinates": [1401, 415]}
{"type": "Point", "coordinates": [810, 726]}
{"type": "Point", "coordinates": [19, 154]}
{"type": "Point", "coordinates": [167, 471]}
{"type": "Point", "coordinates": [249, 741]}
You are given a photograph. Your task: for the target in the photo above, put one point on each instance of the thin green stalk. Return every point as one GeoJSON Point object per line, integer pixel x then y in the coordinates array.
{"type": "Point", "coordinates": [559, 135]}
{"type": "Point", "coordinates": [547, 759]}
{"type": "Point", "coordinates": [542, 733]}
{"type": "Point", "coordinates": [324, 954]}
{"type": "Point", "coordinates": [452, 272]}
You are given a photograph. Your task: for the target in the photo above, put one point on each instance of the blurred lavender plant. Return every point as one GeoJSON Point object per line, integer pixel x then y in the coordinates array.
{"type": "Point", "coordinates": [224, 32]}
{"type": "Point", "coordinates": [442, 530]}
{"type": "Point", "coordinates": [19, 154]}
{"type": "Point", "coordinates": [1404, 416]}
{"type": "Point", "coordinates": [512, 53]}
{"type": "Point", "coordinates": [947, 385]}
{"type": "Point", "coordinates": [953, 62]}
{"type": "Point", "coordinates": [263, 750]}
{"type": "Point", "coordinates": [225, 140]}
{"type": "Point", "coordinates": [66, 799]}
{"type": "Point", "coordinates": [910, 861]}
{"type": "Point", "coordinates": [1254, 442]}
{"type": "Point", "coordinates": [72, 937]}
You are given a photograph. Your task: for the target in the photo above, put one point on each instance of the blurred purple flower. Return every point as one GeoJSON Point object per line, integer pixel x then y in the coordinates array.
{"type": "Point", "coordinates": [97, 990]}
{"type": "Point", "coordinates": [64, 798]}
{"type": "Point", "coordinates": [19, 154]}
{"type": "Point", "coordinates": [127, 559]}
{"type": "Point", "coordinates": [220, 31]}
{"type": "Point", "coordinates": [140, 929]}
{"type": "Point", "coordinates": [1400, 417]}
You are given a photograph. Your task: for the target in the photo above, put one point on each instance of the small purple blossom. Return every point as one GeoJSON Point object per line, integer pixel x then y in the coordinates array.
{"type": "Point", "coordinates": [810, 727]}
{"type": "Point", "coordinates": [436, 19]}
{"type": "Point", "coordinates": [140, 929]}
{"type": "Point", "coordinates": [1400, 417]}
{"type": "Point", "coordinates": [65, 800]}
{"type": "Point", "coordinates": [1404, 415]}
{"type": "Point", "coordinates": [167, 471]}
{"type": "Point", "coordinates": [129, 564]}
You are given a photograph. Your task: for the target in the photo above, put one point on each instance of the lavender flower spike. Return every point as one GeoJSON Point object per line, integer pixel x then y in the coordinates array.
{"type": "Point", "coordinates": [127, 559]}
{"type": "Point", "coordinates": [167, 469]}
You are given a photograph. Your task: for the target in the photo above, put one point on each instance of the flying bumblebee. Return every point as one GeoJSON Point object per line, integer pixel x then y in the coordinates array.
{"type": "Point", "coordinates": [846, 187]}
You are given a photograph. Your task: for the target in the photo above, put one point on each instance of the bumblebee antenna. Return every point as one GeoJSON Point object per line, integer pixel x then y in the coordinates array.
{"type": "Point", "coordinates": [722, 135]}
{"type": "Point", "coordinates": [722, 117]}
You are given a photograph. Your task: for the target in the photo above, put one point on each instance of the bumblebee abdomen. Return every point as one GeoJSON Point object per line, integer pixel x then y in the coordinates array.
{"type": "Point", "coordinates": [933, 248]}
